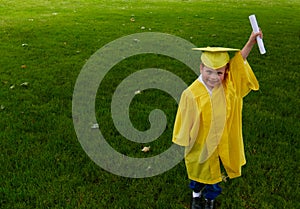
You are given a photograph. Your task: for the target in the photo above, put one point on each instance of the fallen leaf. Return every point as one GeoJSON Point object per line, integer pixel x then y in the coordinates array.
{"type": "Point", "coordinates": [146, 149]}
{"type": "Point", "coordinates": [224, 178]}
{"type": "Point", "coordinates": [25, 84]}
{"type": "Point", "coordinates": [95, 126]}
{"type": "Point", "coordinates": [137, 92]}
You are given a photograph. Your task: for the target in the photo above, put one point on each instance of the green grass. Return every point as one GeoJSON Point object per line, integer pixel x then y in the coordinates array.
{"type": "Point", "coordinates": [42, 162]}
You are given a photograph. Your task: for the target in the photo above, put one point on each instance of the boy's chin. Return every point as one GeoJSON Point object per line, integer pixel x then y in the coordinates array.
{"type": "Point", "coordinates": [215, 86]}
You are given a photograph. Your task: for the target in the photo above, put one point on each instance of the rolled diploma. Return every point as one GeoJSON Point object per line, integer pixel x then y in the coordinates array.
{"type": "Point", "coordinates": [255, 28]}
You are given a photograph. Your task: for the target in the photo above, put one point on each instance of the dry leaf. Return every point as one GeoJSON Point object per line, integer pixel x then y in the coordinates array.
{"type": "Point", "coordinates": [224, 178]}
{"type": "Point", "coordinates": [24, 84]}
{"type": "Point", "coordinates": [136, 40]}
{"type": "Point", "coordinates": [137, 92]}
{"type": "Point", "coordinates": [146, 149]}
{"type": "Point", "coordinates": [94, 126]}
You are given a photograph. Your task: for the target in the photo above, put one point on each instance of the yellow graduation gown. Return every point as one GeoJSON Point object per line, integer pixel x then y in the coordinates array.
{"type": "Point", "coordinates": [199, 112]}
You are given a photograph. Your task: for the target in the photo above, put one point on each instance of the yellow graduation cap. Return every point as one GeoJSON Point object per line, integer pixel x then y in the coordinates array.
{"type": "Point", "coordinates": [215, 57]}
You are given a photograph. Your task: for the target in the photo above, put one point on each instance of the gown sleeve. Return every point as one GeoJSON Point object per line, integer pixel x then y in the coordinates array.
{"type": "Point", "coordinates": [242, 76]}
{"type": "Point", "coordinates": [187, 120]}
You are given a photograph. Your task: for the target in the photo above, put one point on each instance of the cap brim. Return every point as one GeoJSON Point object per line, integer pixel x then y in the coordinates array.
{"type": "Point", "coordinates": [215, 49]}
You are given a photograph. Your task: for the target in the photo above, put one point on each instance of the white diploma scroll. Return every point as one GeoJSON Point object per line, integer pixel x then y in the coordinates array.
{"type": "Point", "coordinates": [255, 28]}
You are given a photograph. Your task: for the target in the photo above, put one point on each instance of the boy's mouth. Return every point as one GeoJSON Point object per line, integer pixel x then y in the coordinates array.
{"type": "Point", "coordinates": [214, 82]}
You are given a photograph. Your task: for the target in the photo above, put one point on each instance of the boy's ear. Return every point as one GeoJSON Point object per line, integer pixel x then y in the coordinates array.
{"type": "Point", "coordinates": [201, 67]}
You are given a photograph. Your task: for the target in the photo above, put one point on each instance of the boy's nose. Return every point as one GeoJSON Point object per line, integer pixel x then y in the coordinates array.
{"type": "Point", "coordinates": [214, 76]}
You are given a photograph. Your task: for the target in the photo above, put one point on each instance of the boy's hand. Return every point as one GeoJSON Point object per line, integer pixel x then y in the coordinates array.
{"type": "Point", "coordinates": [252, 38]}
{"type": "Point", "coordinates": [251, 41]}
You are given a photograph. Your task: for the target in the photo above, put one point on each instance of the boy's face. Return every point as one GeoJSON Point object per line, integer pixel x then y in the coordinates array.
{"type": "Point", "coordinates": [212, 77]}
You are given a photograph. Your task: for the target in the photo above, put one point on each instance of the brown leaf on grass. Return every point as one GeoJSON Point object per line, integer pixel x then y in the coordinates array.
{"type": "Point", "coordinates": [25, 84]}
{"type": "Point", "coordinates": [146, 149]}
{"type": "Point", "coordinates": [95, 126]}
{"type": "Point", "coordinates": [137, 92]}
{"type": "Point", "coordinates": [224, 178]}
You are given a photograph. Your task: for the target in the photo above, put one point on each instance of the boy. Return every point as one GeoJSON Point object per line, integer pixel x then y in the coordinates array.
{"type": "Point", "coordinates": [209, 120]}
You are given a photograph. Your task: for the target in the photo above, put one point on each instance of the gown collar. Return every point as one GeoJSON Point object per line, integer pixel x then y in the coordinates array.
{"type": "Point", "coordinates": [201, 80]}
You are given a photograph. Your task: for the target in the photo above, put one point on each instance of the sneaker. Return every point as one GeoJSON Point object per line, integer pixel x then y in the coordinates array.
{"type": "Point", "coordinates": [209, 204]}
{"type": "Point", "coordinates": [196, 203]}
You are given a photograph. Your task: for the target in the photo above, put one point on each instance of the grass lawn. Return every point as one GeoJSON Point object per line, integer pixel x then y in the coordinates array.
{"type": "Point", "coordinates": [44, 44]}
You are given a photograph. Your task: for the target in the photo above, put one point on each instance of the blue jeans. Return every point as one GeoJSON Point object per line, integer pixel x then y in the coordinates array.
{"type": "Point", "coordinates": [209, 191]}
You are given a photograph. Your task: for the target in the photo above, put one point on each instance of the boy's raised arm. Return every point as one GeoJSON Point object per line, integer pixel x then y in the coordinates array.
{"type": "Point", "coordinates": [250, 43]}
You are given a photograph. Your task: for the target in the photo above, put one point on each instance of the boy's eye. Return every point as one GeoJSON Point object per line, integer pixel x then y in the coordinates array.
{"type": "Point", "coordinates": [208, 72]}
{"type": "Point", "coordinates": [220, 73]}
